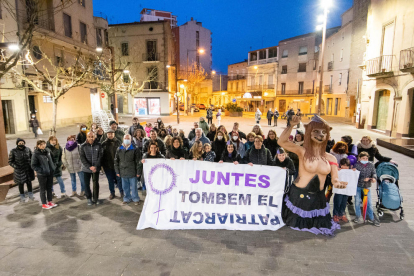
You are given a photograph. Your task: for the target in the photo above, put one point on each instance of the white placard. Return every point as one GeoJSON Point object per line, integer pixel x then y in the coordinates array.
{"type": "Point", "coordinates": [187, 194]}
{"type": "Point", "coordinates": [351, 177]}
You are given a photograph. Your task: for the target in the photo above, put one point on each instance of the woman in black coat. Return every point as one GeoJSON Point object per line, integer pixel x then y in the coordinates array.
{"type": "Point", "coordinates": [56, 153]}
{"type": "Point", "coordinates": [186, 142]}
{"type": "Point", "coordinates": [34, 124]}
{"type": "Point", "coordinates": [230, 155]}
{"type": "Point", "coordinates": [20, 159]}
{"type": "Point", "coordinates": [44, 167]}
{"type": "Point", "coordinates": [271, 142]}
{"type": "Point", "coordinates": [368, 146]}
{"type": "Point", "coordinates": [283, 161]}
{"type": "Point", "coordinates": [176, 151]}
{"type": "Point", "coordinates": [81, 137]}
{"type": "Point", "coordinates": [212, 133]}
{"type": "Point", "coordinates": [219, 145]}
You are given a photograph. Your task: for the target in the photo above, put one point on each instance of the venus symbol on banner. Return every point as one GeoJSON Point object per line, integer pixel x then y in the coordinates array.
{"type": "Point", "coordinates": [166, 190]}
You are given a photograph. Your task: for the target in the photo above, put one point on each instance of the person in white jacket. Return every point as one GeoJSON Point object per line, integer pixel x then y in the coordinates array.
{"type": "Point", "coordinates": [258, 116]}
{"type": "Point", "coordinates": [218, 116]}
{"type": "Point", "coordinates": [71, 160]}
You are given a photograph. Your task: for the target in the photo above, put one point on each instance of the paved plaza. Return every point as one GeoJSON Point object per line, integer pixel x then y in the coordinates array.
{"type": "Point", "coordinates": [76, 239]}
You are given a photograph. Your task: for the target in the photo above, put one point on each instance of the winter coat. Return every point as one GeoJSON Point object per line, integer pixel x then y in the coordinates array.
{"type": "Point", "coordinates": [191, 134]}
{"type": "Point", "coordinates": [209, 156]}
{"type": "Point", "coordinates": [139, 143]}
{"type": "Point", "coordinates": [276, 115]}
{"type": "Point", "coordinates": [287, 163]}
{"type": "Point", "coordinates": [248, 145]}
{"type": "Point", "coordinates": [176, 153]}
{"type": "Point", "coordinates": [109, 148]}
{"type": "Point", "coordinates": [186, 144]}
{"type": "Point", "coordinates": [258, 115]}
{"type": "Point", "coordinates": [365, 171]}
{"type": "Point", "coordinates": [42, 162]}
{"type": "Point", "coordinates": [33, 123]}
{"type": "Point", "coordinates": [260, 156]}
{"type": "Point", "coordinates": [71, 160]}
{"type": "Point", "coordinates": [91, 156]}
{"type": "Point", "coordinates": [209, 114]}
{"type": "Point", "coordinates": [119, 134]}
{"type": "Point", "coordinates": [132, 129]}
{"type": "Point", "coordinates": [204, 126]}
{"type": "Point", "coordinates": [148, 156]}
{"type": "Point", "coordinates": [80, 138]}
{"type": "Point", "coordinates": [20, 160]}
{"type": "Point", "coordinates": [339, 156]}
{"type": "Point", "coordinates": [160, 143]}
{"type": "Point", "coordinates": [147, 131]}
{"type": "Point", "coordinates": [240, 149]}
{"type": "Point", "coordinates": [330, 145]}
{"type": "Point", "coordinates": [218, 147]}
{"type": "Point", "coordinates": [56, 153]}
{"type": "Point", "coordinates": [271, 145]}
{"type": "Point", "coordinates": [269, 115]}
{"type": "Point", "coordinates": [211, 134]}
{"type": "Point", "coordinates": [230, 159]}
{"type": "Point", "coordinates": [127, 161]}
{"type": "Point", "coordinates": [218, 115]}
{"type": "Point", "coordinates": [203, 140]}
{"type": "Point", "coordinates": [372, 150]}
{"type": "Point", "coordinates": [294, 157]}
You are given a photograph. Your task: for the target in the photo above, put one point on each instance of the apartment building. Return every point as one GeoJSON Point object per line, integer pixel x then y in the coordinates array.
{"type": "Point", "coordinates": [60, 33]}
{"type": "Point", "coordinates": [237, 81]}
{"type": "Point", "coordinates": [157, 15]}
{"type": "Point", "coordinates": [386, 102]}
{"type": "Point", "coordinates": [262, 73]}
{"type": "Point", "coordinates": [145, 49]}
{"type": "Point", "coordinates": [337, 100]}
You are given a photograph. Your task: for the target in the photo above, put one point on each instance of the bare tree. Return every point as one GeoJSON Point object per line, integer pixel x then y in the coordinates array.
{"type": "Point", "coordinates": [196, 76]}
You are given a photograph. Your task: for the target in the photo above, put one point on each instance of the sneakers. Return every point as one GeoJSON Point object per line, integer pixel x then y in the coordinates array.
{"type": "Point", "coordinates": [46, 206]}
{"type": "Point", "coordinates": [82, 193]}
{"type": "Point", "coordinates": [122, 195]}
{"type": "Point", "coordinates": [112, 196]}
{"type": "Point", "coordinates": [31, 197]}
{"type": "Point", "coordinates": [22, 198]}
{"type": "Point", "coordinates": [358, 220]}
{"type": "Point", "coordinates": [51, 204]}
{"type": "Point", "coordinates": [375, 221]}
{"type": "Point", "coordinates": [63, 195]}
{"type": "Point", "coordinates": [144, 192]}
{"type": "Point", "coordinates": [335, 218]}
{"type": "Point", "coordinates": [343, 218]}
{"type": "Point", "coordinates": [90, 203]}
{"type": "Point", "coordinates": [350, 201]}
{"type": "Point", "coordinates": [98, 202]}
{"type": "Point", "coordinates": [137, 203]}
{"type": "Point", "coordinates": [74, 193]}
{"type": "Point", "coordinates": [125, 202]}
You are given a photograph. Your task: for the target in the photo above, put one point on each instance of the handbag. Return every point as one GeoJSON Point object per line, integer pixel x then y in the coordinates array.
{"type": "Point", "coordinates": [39, 131]}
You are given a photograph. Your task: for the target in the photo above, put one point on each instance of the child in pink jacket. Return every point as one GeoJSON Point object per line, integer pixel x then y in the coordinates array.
{"type": "Point", "coordinates": [148, 128]}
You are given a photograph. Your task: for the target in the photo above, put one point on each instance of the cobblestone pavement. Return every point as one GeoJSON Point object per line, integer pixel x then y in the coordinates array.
{"type": "Point", "coordinates": [75, 239]}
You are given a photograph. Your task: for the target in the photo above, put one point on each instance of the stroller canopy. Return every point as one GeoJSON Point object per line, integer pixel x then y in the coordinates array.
{"type": "Point", "coordinates": [387, 168]}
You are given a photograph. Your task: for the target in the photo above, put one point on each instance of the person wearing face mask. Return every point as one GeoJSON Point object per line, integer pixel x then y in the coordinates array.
{"type": "Point", "coordinates": [119, 134]}
{"type": "Point", "coordinates": [81, 137]}
{"type": "Point", "coordinates": [340, 151]}
{"type": "Point", "coordinates": [56, 153]}
{"type": "Point", "coordinates": [34, 124]}
{"type": "Point", "coordinates": [238, 144]}
{"type": "Point", "coordinates": [71, 160]}
{"type": "Point", "coordinates": [127, 160]}
{"type": "Point", "coordinates": [43, 165]}
{"type": "Point", "coordinates": [20, 158]}
{"type": "Point", "coordinates": [109, 148]}
{"type": "Point", "coordinates": [271, 142]}
{"type": "Point", "coordinates": [230, 155]}
{"type": "Point", "coordinates": [160, 123]}
{"type": "Point", "coordinates": [236, 129]}
{"type": "Point", "coordinates": [367, 176]}
{"type": "Point", "coordinates": [203, 125]}
{"type": "Point", "coordinates": [219, 145]}
{"type": "Point", "coordinates": [135, 126]}
{"type": "Point", "coordinates": [250, 141]}
{"type": "Point", "coordinates": [212, 133]}
{"type": "Point", "coordinates": [269, 116]}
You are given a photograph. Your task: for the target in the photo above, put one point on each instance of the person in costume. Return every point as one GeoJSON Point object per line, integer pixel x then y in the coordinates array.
{"type": "Point", "coordinates": [304, 206]}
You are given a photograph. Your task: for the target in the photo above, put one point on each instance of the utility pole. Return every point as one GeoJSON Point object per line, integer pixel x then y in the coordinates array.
{"type": "Point", "coordinates": [325, 14]}
{"type": "Point", "coordinates": [111, 48]}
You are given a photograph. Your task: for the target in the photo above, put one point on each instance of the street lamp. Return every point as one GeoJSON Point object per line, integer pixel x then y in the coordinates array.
{"type": "Point", "coordinates": [176, 90]}
{"type": "Point", "coordinates": [325, 4]}
{"type": "Point", "coordinates": [201, 51]}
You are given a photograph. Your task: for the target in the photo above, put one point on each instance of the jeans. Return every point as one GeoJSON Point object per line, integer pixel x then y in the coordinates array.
{"type": "Point", "coordinates": [339, 204]}
{"type": "Point", "coordinates": [358, 202]}
{"type": "Point", "coordinates": [61, 184]}
{"type": "Point", "coordinates": [29, 187]}
{"type": "Point", "coordinates": [112, 178]}
{"type": "Point", "coordinates": [130, 187]}
{"type": "Point", "coordinates": [73, 180]}
{"type": "Point", "coordinates": [269, 121]}
{"type": "Point", "coordinates": [95, 181]}
{"type": "Point", "coordinates": [45, 185]}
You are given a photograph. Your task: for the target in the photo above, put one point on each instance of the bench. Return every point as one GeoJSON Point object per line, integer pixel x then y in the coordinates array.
{"type": "Point", "coordinates": [6, 181]}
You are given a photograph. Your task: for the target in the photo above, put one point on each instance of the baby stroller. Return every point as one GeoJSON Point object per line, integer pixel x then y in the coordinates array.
{"type": "Point", "coordinates": [388, 190]}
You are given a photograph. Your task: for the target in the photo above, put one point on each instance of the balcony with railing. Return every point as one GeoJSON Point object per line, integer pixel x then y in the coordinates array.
{"type": "Point", "coordinates": [407, 60]}
{"type": "Point", "coordinates": [327, 89]}
{"type": "Point", "coordinates": [330, 65]}
{"type": "Point", "coordinates": [261, 86]}
{"type": "Point", "coordinates": [237, 77]}
{"type": "Point", "coordinates": [150, 57]}
{"type": "Point", "coordinates": [380, 67]}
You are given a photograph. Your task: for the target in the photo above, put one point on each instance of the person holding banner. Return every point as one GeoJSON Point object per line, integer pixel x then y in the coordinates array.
{"type": "Point", "coordinates": [219, 145]}
{"type": "Point", "coordinates": [283, 161]}
{"type": "Point", "coordinates": [230, 155]}
{"type": "Point", "coordinates": [154, 138]}
{"type": "Point", "coordinates": [196, 151]}
{"type": "Point", "coordinates": [208, 154]}
{"type": "Point", "coordinates": [258, 154]}
{"type": "Point", "coordinates": [304, 206]}
{"type": "Point", "coordinates": [339, 199]}
{"type": "Point", "coordinates": [153, 152]}
{"type": "Point", "coordinates": [176, 151]}
{"type": "Point", "coordinates": [199, 136]}
{"type": "Point", "coordinates": [127, 160]}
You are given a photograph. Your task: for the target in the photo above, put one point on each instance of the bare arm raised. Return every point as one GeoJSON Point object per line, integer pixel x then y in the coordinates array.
{"type": "Point", "coordinates": [284, 138]}
{"type": "Point", "coordinates": [334, 173]}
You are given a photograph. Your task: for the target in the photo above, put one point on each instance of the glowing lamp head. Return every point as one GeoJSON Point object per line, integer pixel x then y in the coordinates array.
{"type": "Point", "coordinates": [255, 67]}
{"type": "Point", "coordinates": [13, 47]}
{"type": "Point", "coordinates": [201, 51]}
{"type": "Point", "coordinates": [213, 72]}
{"type": "Point", "coordinates": [99, 49]}
{"type": "Point", "coordinates": [181, 85]}
{"type": "Point", "coordinates": [126, 71]}
{"type": "Point", "coordinates": [326, 3]}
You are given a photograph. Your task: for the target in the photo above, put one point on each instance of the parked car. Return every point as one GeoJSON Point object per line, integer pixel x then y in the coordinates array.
{"type": "Point", "coordinates": [201, 106]}
{"type": "Point", "coordinates": [181, 107]}
{"type": "Point", "coordinates": [194, 107]}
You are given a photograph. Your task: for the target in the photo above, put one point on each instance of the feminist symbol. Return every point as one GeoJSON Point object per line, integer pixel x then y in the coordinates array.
{"type": "Point", "coordinates": [165, 191]}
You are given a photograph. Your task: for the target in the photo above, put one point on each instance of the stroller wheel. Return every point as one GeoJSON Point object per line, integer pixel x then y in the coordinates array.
{"type": "Point", "coordinates": [401, 217]}
{"type": "Point", "coordinates": [380, 213]}
{"type": "Point", "coordinates": [377, 205]}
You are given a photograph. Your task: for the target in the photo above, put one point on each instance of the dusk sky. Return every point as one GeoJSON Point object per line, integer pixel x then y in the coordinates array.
{"type": "Point", "coordinates": [238, 26]}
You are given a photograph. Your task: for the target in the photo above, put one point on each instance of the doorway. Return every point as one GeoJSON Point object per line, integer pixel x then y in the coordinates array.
{"type": "Point", "coordinates": [32, 105]}
{"type": "Point", "coordinates": [282, 106]}
{"type": "Point", "coordinates": [8, 116]}
{"type": "Point", "coordinates": [411, 123]}
{"type": "Point", "coordinates": [382, 110]}
{"type": "Point", "coordinates": [120, 99]}
{"type": "Point", "coordinates": [329, 107]}
{"type": "Point", "coordinates": [337, 105]}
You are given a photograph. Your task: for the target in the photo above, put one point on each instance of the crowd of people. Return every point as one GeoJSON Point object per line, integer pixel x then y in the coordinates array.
{"type": "Point", "coordinates": [120, 156]}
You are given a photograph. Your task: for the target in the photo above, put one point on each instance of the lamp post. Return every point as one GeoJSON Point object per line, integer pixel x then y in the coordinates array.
{"type": "Point", "coordinates": [176, 91]}
{"type": "Point", "coordinates": [201, 51]}
{"type": "Point", "coordinates": [325, 4]}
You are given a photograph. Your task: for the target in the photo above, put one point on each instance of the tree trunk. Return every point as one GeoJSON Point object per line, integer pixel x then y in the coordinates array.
{"type": "Point", "coordinates": [53, 129]}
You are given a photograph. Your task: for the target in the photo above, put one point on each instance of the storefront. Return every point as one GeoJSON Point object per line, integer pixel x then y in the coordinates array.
{"type": "Point", "coordinates": [147, 106]}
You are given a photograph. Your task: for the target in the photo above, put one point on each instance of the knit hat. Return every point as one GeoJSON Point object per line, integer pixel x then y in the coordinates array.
{"type": "Point", "coordinates": [111, 131]}
{"type": "Point", "coordinates": [20, 139]}
{"type": "Point", "coordinates": [113, 122]}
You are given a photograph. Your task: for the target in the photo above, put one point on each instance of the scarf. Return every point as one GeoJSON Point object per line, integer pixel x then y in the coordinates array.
{"type": "Point", "coordinates": [71, 145]}
{"type": "Point", "coordinates": [179, 152]}
{"type": "Point", "coordinates": [370, 145]}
